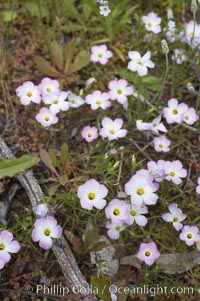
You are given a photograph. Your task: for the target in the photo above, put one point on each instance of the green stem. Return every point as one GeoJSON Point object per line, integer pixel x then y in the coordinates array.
{"type": "Point", "coordinates": [164, 80]}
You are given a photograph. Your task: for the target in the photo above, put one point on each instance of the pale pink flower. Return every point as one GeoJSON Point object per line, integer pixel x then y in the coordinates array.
{"type": "Point", "coordinates": [57, 101]}
{"type": "Point", "coordinates": [156, 169]}
{"type": "Point", "coordinates": [190, 116]}
{"type": "Point", "coordinates": [148, 253]}
{"type": "Point", "coordinates": [175, 216]}
{"type": "Point", "coordinates": [89, 133]}
{"type": "Point", "coordinates": [117, 211]}
{"type": "Point", "coordinates": [28, 93]}
{"type": "Point", "coordinates": [190, 234]}
{"type": "Point", "coordinates": [41, 210]}
{"type": "Point", "coordinates": [114, 229]}
{"type": "Point", "coordinates": [140, 63]}
{"type": "Point", "coordinates": [136, 215]}
{"type": "Point", "coordinates": [46, 228]}
{"type": "Point", "coordinates": [92, 194]}
{"type": "Point", "coordinates": [161, 144]}
{"type": "Point", "coordinates": [174, 171]}
{"type": "Point", "coordinates": [179, 57]}
{"type": "Point", "coordinates": [112, 129]}
{"type": "Point", "coordinates": [173, 113]}
{"type": "Point", "coordinates": [152, 22]}
{"type": "Point", "coordinates": [100, 54]}
{"type": "Point", "coordinates": [7, 246]}
{"type": "Point", "coordinates": [98, 100]}
{"type": "Point", "coordinates": [143, 126]}
{"type": "Point", "coordinates": [46, 118]}
{"type": "Point", "coordinates": [156, 125]}
{"type": "Point", "coordinates": [119, 90]}
{"type": "Point", "coordinates": [48, 86]}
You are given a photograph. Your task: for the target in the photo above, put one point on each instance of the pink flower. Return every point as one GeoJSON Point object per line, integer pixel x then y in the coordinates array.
{"type": "Point", "coordinates": [92, 194]}
{"type": "Point", "coordinates": [98, 100]}
{"type": "Point", "coordinates": [89, 133]}
{"type": "Point", "coordinates": [28, 92]}
{"type": "Point", "coordinates": [41, 210]}
{"type": "Point", "coordinates": [190, 116]}
{"type": "Point", "coordinates": [7, 246]}
{"type": "Point", "coordinates": [173, 113]}
{"type": "Point", "coordinates": [143, 126]}
{"type": "Point", "coordinates": [46, 118]}
{"type": "Point", "coordinates": [57, 101]}
{"type": "Point", "coordinates": [152, 22]}
{"type": "Point", "coordinates": [198, 186]}
{"type": "Point", "coordinates": [112, 129]}
{"type": "Point", "coordinates": [156, 169]}
{"type": "Point", "coordinates": [161, 144]}
{"type": "Point", "coordinates": [148, 253]}
{"type": "Point", "coordinates": [119, 90]}
{"type": "Point", "coordinates": [174, 171]}
{"type": "Point", "coordinates": [175, 216]}
{"type": "Point", "coordinates": [156, 125]}
{"type": "Point", "coordinates": [140, 64]}
{"type": "Point", "coordinates": [114, 230]}
{"type": "Point", "coordinates": [190, 234]}
{"type": "Point", "coordinates": [48, 86]}
{"type": "Point", "coordinates": [142, 190]}
{"type": "Point", "coordinates": [100, 54]}
{"type": "Point", "coordinates": [117, 211]}
{"type": "Point", "coordinates": [136, 215]}
{"type": "Point", "coordinates": [45, 229]}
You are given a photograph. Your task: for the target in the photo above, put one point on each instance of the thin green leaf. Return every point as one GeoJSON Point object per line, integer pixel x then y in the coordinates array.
{"type": "Point", "coordinates": [69, 51]}
{"type": "Point", "coordinates": [82, 59]}
{"type": "Point", "coordinates": [57, 55]}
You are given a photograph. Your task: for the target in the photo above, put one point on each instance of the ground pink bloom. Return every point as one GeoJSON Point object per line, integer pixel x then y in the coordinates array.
{"type": "Point", "coordinates": [117, 211]}
{"type": "Point", "coordinates": [112, 129]}
{"type": "Point", "coordinates": [7, 246]}
{"type": "Point", "coordinates": [92, 194]}
{"type": "Point", "coordinates": [179, 57]}
{"type": "Point", "coordinates": [100, 54]}
{"type": "Point", "coordinates": [175, 216]}
{"type": "Point", "coordinates": [198, 186]}
{"type": "Point", "coordinates": [89, 133]}
{"type": "Point", "coordinates": [98, 100]}
{"type": "Point", "coordinates": [140, 64]}
{"type": "Point", "coordinates": [46, 228]}
{"type": "Point", "coordinates": [173, 113]}
{"type": "Point", "coordinates": [136, 215]}
{"type": "Point", "coordinates": [156, 125]}
{"type": "Point", "coordinates": [152, 22]}
{"type": "Point", "coordinates": [174, 171]}
{"type": "Point", "coordinates": [142, 190]}
{"type": "Point", "coordinates": [190, 116]}
{"type": "Point", "coordinates": [114, 230]}
{"type": "Point", "coordinates": [148, 253]}
{"type": "Point", "coordinates": [46, 118]}
{"type": "Point", "coordinates": [161, 144]}
{"type": "Point", "coordinates": [192, 34]}
{"type": "Point", "coordinates": [41, 210]}
{"type": "Point", "coordinates": [57, 101]}
{"type": "Point", "coordinates": [48, 86]}
{"type": "Point", "coordinates": [74, 100]}
{"type": "Point", "coordinates": [119, 90]}
{"type": "Point", "coordinates": [156, 169]}
{"type": "Point", "coordinates": [190, 234]}
{"type": "Point", "coordinates": [143, 126]}
{"type": "Point", "coordinates": [28, 92]}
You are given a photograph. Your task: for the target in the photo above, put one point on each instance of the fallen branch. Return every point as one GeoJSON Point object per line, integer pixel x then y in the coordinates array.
{"type": "Point", "coordinates": [60, 247]}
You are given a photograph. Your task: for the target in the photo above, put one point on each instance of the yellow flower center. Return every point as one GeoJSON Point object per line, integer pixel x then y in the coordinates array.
{"type": "Point", "coordinates": [48, 89]}
{"type": "Point", "coordinates": [189, 236]}
{"type": "Point", "coordinates": [119, 91]}
{"type": "Point", "coordinates": [175, 219]}
{"type": "Point", "coordinates": [175, 112]}
{"type": "Point", "coordinates": [187, 117]}
{"type": "Point", "coordinates": [147, 253]}
{"type": "Point", "coordinates": [91, 196]}
{"type": "Point", "coordinates": [140, 191]}
{"type": "Point", "coordinates": [140, 63]}
{"type": "Point", "coordinates": [47, 232]}
{"type": "Point", "coordinates": [100, 55]}
{"type": "Point", "coordinates": [117, 228]}
{"type": "Point", "coordinates": [116, 212]}
{"type": "Point", "coordinates": [46, 118]}
{"type": "Point", "coordinates": [2, 247]}
{"type": "Point", "coordinates": [112, 132]}
{"type": "Point", "coordinates": [98, 102]}
{"type": "Point", "coordinates": [160, 145]}
{"type": "Point", "coordinates": [172, 174]}
{"type": "Point", "coordinates": [133, 212]}
{"type": "Point", "coordinates": [179, 56]}
{"type": "Point", "coordinates": [29, 94]}
{"type": "Point", "coordinates": [149, 24]}
{"type": "Point", "coordinates": [55, 102]}
{"type": "Point", "coordinates": [89, 135]}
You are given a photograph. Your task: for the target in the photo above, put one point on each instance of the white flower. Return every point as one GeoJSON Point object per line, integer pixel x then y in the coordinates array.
{"type": "Point", "coordinates": [140, 64]}
{"type": "Point", "coordinates": [74, 100]}
{"type": "Point", "coordinates": [57, 101]}
{"type": "Point", "coordinates": [104, 10]}
{"type": "Point", "coordinates": [175, 216]}
{"type": "Point", "coordinates": [152, 22]}
{"type": "Point", "coordinates": [112, 129]}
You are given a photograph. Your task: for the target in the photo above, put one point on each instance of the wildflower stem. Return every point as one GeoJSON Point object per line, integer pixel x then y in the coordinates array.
{"type": "Point", "coordinates": [165, 78]}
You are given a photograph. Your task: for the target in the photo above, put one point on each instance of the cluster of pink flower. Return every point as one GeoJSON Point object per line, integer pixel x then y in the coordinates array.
{"type": "Point", "coordinates": [48, 91]}
{"type": "Point", "coordinates": [7, 246]}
